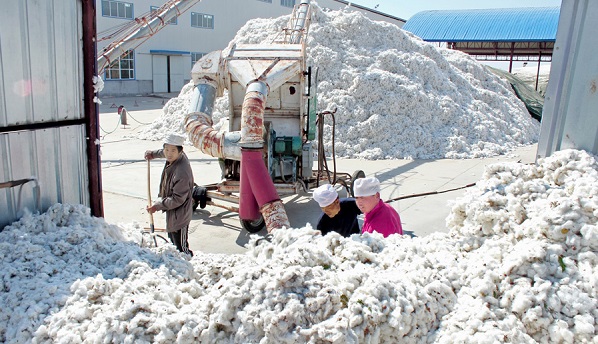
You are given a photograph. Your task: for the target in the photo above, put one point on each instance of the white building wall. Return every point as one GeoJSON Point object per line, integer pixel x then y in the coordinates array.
{"type": "Point", "coordinates": [180, 40]}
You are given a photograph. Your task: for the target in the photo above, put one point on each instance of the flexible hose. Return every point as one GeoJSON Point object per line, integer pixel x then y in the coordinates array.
{"type": "Point", "coordinates": [322, 162]}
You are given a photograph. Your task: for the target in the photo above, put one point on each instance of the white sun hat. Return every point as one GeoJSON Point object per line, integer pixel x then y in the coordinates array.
{"type": "Point", "coordinates": [174, 139]}
{"type": "Point", "coordinates": [364, 187]}
{"type": "Point", "coordinates": [325, 195]}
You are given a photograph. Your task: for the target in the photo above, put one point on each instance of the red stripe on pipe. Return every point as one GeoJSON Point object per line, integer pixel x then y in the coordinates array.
{"type": "Point", "coordinates": [252, 165]}
{"type": "Point", "coordinates": [248, 207]}
{"type": "Point", "coordinates": [255, 173]}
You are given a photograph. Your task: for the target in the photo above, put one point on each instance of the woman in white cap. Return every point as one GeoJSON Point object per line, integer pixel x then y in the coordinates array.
{"type": "Point", "coordinates": [338, 214]}
{"type": "Point", "coordinates": [176, 188]}
{"type": "Point", "coordinates": [379, 216]}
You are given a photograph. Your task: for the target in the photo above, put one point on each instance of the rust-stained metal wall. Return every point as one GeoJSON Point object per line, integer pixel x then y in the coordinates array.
{"type": "Point", "coordinates": [47, 115]}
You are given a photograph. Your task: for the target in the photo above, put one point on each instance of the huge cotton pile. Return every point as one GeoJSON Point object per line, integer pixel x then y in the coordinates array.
{"type": "Point", "coordinates": [519, 265]}
{"type": "Point", "coordinates": [534, 78]}
{"type": "Point", "coordinates": [395, 96]}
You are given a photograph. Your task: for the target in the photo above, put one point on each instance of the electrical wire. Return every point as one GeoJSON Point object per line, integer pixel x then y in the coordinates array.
{"type": "Point", "coordinates": [106, 133]}
{"type": "Point", "coordinates": [129, 114]}
{"type": "Point", "coordinates": [428, 193]}
{"type": "Point", "coordinates": [119, 122]}
{"type": "Point", "coordinates": [322, 162]}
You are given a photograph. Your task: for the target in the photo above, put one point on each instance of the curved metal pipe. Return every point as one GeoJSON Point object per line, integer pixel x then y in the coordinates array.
{"type": "Point", "coordinates": [274, 215]}
{"type": "Point", "coordinates": [257, 193]}
{"type": "Point", "coordinates": [248, 206]}
{"type": "Point", "coordinates": [256, 185]}
{"type": "Point", "coordinates": [257, 188]}
{"type": "Point", "coordinates": [252, 115]}
{"type": "Point", "coordinates": [198, 124]}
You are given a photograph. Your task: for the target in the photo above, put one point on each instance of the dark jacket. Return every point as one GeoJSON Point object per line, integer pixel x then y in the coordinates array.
{"type": "Point", "coordinates": [345, 222]}
{"type": "Point", "coordinates": [176, 188]}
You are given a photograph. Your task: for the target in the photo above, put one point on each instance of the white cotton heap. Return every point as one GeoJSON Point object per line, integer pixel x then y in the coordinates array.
{"type": "Point", "coordinates": [173, 116]}
{"type": "Point", "coordinates": [518, 265]}
{"type": "Point", "coordinates": [529, 75]}
{"type": "Point", "coordinates": [396, 96]}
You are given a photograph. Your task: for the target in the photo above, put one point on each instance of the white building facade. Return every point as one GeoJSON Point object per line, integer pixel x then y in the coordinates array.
{"type": "Point", "coordinates": [163, 63]}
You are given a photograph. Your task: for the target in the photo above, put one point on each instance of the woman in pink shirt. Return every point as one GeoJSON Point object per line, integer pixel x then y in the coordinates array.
{"type": "Point", "coordinates": [379, 216]}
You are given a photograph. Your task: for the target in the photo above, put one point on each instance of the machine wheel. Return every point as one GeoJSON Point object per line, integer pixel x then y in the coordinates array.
{"type": "Point", "coordinates": [253, 226]}
{"type": "Point", "coordinates": [356, 175]}
{"type": "Point", "coordinates": [346, 187]}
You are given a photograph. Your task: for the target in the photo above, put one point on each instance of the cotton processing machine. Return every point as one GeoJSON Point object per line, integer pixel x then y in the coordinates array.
{"type": "Point", "coordinates": [268, 150]}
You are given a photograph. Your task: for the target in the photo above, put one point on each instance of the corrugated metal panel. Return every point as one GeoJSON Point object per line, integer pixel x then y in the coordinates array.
{"type": "Point", "coordinates": [50, 156]}
{"type": "Point", "coordinates": [40, 61]}
{"type": "Point", "coordinates": [532, 24]}
{"type": "Point", "coordinates": [569, 119]}
{"type": "Point", "coordinates": [41, 86]}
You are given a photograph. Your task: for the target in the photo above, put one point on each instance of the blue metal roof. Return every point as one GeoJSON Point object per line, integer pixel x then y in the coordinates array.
{"type": "Point", "coordinates": [530, 24]}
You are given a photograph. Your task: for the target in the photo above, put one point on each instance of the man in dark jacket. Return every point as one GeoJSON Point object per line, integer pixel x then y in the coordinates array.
{"type": "Point", "coordinates": [338, 214]}
{"type": "Point", "coordinates": [176, 187]}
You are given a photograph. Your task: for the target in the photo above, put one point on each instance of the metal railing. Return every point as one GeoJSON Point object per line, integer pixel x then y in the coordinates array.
{"type": "Point", "coordinates": [20, 183]}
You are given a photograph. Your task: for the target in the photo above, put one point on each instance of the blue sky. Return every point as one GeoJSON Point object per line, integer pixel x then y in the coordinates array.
{"type": "Point", "coordinates": [406, 8]}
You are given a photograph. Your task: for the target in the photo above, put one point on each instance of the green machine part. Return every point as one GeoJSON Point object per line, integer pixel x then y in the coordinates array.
{"type": "Point", "coordinates": [288, 145]}
{"type": "Point", "coordinates": [312, 111]}
{"type": "Point", "coordinates": [313, 105]}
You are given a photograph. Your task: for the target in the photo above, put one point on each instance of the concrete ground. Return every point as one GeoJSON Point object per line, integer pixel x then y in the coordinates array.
{"type": "Point", "coordinates": [216, 230]}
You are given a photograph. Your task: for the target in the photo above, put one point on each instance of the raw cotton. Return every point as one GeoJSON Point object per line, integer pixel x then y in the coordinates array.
{"type": "Point", "coordinates": [395, 95]}
{"type": "Point", "coordinates": [519, 265]}
{"type": "Point", "coordinates": [534, 77]}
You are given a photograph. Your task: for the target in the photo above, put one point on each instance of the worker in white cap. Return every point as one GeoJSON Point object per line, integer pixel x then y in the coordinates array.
{"type": "Point", "coordinates": [379, 216]}
{"type": "Point", "coordinates": [176, 188]}
{"type": "Point", "coordinates": [338, 214]}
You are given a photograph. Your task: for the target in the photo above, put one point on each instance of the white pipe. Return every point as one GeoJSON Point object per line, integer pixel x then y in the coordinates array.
{"type": "Point", "coordinates": [300, 22]}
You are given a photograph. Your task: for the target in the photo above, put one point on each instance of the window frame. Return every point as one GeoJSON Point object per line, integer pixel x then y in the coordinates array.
{"type": "Point", "coordinates": [108, 5]}
{"type": "Point", "coordinates": [125, 63]}
{"type": "Point", "coordinates": [287, 3]}
{"type": "Point", "coordinates": [203, 15]}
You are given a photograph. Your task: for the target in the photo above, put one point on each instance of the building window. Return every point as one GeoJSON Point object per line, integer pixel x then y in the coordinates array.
{"type": "Point", "coordinates": [287, 3]}
{"type": "Point", "coordinates": [196, 57]}
{"type": "Point", "coordinates": [117, 9]}
{"type": "Point", "coordinates": [202, 20]}
{"type": "Point", "coordinates": [123, 68]}
{"type": "Point", "coordinates": [171, 21]}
